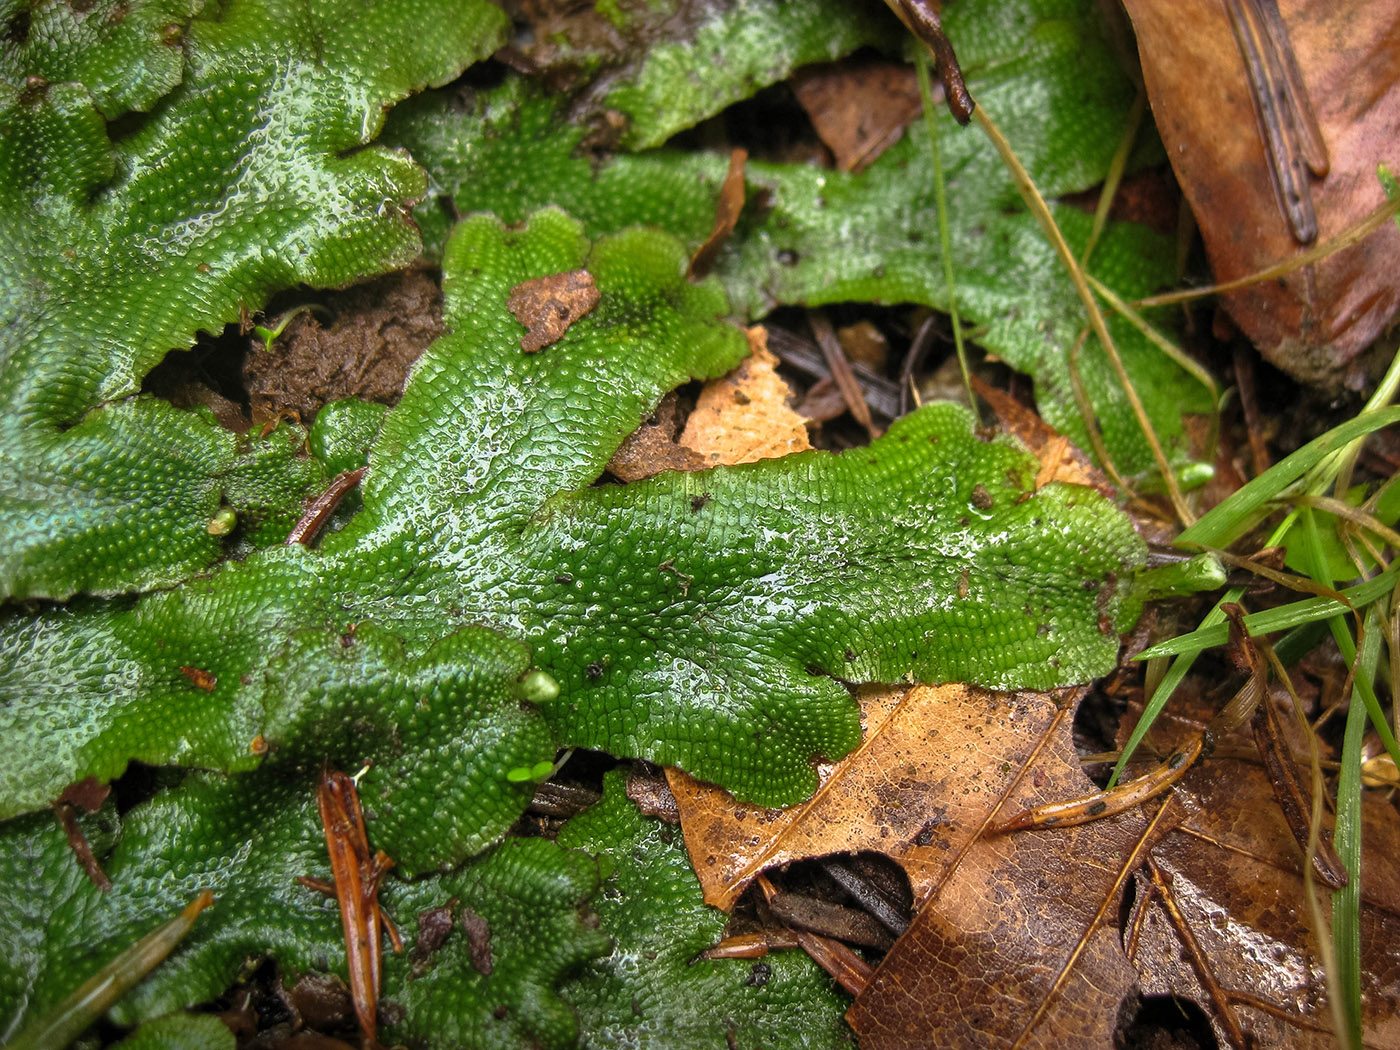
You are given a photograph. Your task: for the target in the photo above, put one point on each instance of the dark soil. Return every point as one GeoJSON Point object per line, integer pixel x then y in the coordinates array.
{"type": "Point", "coordinates": [360, 345]}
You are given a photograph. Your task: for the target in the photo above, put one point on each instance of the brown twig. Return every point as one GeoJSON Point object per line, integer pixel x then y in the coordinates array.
{"type": "Point", "coordinates": [814, 915]}
{"type": "Point", "coordinates": [1224, 1010]}
{"type": "Point", "coordinates": [77, 841]}
{"type": "Point", "coordinates": [847, 968]}
{"type": "Point", "coordinates": [320, 509]}
{"type": "Point", "coordinates": [802, 355]}
{"type": "Point", "coordinates": [1276, 108]}
{"type": "Point", "coordinates": [841, 371]}
{"type": "Point", "coordinates": [923, 339]}
{"type": "Point", "coordinates": [357, 874]}
{"type": "Point", "coordinates": [1288, 790]}
{"type": "Point", "coordinates": [867, 896]}
{"type": "Point", "coordinates": [921, 20]}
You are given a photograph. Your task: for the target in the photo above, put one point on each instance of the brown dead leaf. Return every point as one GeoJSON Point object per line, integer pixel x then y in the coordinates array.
{"type": "Point", "coordinates": [1059, 459]}
{"type": "Point", "coordinates": [727, 209]}
{"type": "Point", "coordinates": [1018, 946]}
{"type": "Point", "coordinates": [934, 762]}
{"type": "Point", "coordinates": [841, 372]}
{"type": "Point", "coordinates": [547, 306]}
{"type": "Point", "coordinates": [1316, 321]}
{"type": "Point", "coordinates": [744, 416]}
{"type": "Point", "coordinates": [478, 932]}
{"type": "Point", "coordinates": [648, 790]}
{"type": "Point", "coordinates": [822, 403]}
{"type": "Point", "coordinates": [1234, 871]}
{"type": "Point", "coordinates": [434, 927]}
{"type": "Point", "coordinates": [859, 111]}
{"type": "Point", "coordinates": [320, 1001]}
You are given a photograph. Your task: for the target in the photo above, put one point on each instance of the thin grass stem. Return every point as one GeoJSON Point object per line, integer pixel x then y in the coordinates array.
{"type": "Point", "coordinates": [1038, 208]}
{"type": "Point", "coordinates": [945, 237]}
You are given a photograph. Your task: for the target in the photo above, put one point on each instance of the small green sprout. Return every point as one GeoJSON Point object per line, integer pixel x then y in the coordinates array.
{"type": "Point", "coordinates": [539, 687]}
{"type": "Point", "coordinates": [275, 328]}
{"type": "Point", "coordinates": [223, 521]}
{"type": "Point", "coordinates": [539, 773]}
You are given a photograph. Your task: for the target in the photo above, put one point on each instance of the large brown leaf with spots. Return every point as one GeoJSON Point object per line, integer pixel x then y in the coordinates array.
{"type": "Point", "coordinates": [1016, 935]}
{"type": "Point", "coordinates": [934, 764]}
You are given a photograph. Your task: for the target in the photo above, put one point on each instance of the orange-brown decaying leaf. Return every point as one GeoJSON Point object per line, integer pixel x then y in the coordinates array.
{"type": "Point", "coordinates": [727, 209]}
{"type": "Point", "coordinates": [1059, 460]}
{"type": "Point", "coordinates": [934, 763]}
{"type": "Point", "coordinates": [547, 306]}
{"type": "Point", "coordinates": [744, 416]}
{"type": "Point", "coordinates": [1017, 946]}
{"type": "Point", "coordinates": [1316, 321]}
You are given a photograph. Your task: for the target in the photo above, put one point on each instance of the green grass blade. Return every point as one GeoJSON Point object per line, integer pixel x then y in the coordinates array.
{"type": "Point", "coordinates": [1345, 984]}
{"type": "Point", "coordinates": [1215, 619]}
{"type": "Point", "coordinates": [1213, 632]}
{"type": "Point", "coordinates": [1235, 516]}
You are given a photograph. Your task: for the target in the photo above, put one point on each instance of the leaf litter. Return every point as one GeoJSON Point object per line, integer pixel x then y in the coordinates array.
{"type": "Point", "coordinates": [1235, 873]}
{"type": "Point", "coordinates": [548, 305]}
{"type": "Point", "coordinates": [858, 111]}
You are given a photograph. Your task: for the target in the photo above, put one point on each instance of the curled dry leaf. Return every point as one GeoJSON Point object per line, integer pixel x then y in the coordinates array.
{"type": "Point", "coordinates": [1059, 459]}
{"type": "Point", "coordinates": [547, 306]}
{"type": "Point", "coordinates": [1234, 871]}
{"type": "Point", "coordinates": [1315, 322]}
{"type": "Point", "coordinates": [727, 209]}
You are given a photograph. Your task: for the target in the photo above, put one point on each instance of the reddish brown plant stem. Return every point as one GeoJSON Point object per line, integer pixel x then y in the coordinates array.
{"type": "Point", "coordinates": [320, 509]}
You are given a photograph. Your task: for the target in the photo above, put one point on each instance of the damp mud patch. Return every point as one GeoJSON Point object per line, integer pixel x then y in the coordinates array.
{"type": "Point", "coordinates": [358, 342]}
